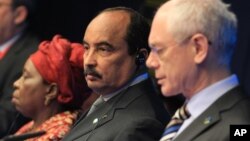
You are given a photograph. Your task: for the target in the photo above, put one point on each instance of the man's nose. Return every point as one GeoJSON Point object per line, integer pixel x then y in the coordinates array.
{"type": "Point", "coordinates": [152, 61]}
{"type": "Point", "coordinates": [89, 58]}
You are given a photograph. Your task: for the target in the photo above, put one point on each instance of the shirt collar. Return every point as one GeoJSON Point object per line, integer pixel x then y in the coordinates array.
{"type": "Point", "coordinates": [8, 43]}
{"type": "Point", "coordinates": [135, 81]}
{"type": "Point", "coordinates": [202, 100]}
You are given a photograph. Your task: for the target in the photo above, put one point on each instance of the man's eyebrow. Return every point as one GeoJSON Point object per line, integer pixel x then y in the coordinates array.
{"type": "Point", "coordinates": [99, 43]}
{"type": "Point", "coordinates": [84, 42]}
{"type": "Point", "coordinates": [105, 44]}
{"type": "Point", "coordinates": [152, 46]}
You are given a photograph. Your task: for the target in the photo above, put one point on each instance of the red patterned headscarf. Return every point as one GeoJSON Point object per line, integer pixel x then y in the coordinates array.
{"type": "Point", "coordinates": [61, 62]}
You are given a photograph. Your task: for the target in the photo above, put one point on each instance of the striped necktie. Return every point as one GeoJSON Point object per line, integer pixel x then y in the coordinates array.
{"type": "Point", "coordinates": [174, 125]}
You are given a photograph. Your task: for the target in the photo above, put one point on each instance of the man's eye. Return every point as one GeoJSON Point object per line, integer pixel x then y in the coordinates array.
{"type": "Point", "coordinates": [159, 50]}
{"type": "Point", "coordinates": [103, 49]}
{"type": "Point", "coordinates": [86, 47]}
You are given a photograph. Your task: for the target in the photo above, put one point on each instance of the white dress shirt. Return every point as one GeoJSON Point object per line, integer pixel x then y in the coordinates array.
{"type": "Point", "coordinates": [8, 43]}
{"type": "Point", "coordinates": [135, 81]}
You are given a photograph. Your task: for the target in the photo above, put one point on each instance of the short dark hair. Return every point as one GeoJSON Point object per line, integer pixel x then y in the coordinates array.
{"type": "Point", "coordinates": [137, 30]}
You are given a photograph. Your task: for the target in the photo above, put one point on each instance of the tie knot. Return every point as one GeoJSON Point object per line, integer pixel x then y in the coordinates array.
{"type": "Point", "coordinates": [182, 113]}
{"type": "Point", "coordinates": [98, 101]}
{"type": "Point", "coordinates": [95, 105]}
{"type": "Point", "coordinates": [173, 126]}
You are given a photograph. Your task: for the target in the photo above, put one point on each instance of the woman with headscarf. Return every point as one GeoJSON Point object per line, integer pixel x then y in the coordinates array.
{"type": "Point", "coordinates": [51, 89]}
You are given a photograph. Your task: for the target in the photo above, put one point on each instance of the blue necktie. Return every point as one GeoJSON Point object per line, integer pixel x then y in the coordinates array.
{"type": "Point", "coordinates": [174, 125]}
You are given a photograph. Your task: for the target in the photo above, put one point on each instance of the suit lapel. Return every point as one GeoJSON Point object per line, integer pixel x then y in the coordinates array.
{"type": "Point", "coordinates": [198, 126]}
{"type": "Point", "coordinates": [93, 121]}
{"type": "Point", "coordinates": [211, 116]}
{"type": "Point", "coordinates": [104, 114]}
{"type": "Point", "coordinates": [9, 58]}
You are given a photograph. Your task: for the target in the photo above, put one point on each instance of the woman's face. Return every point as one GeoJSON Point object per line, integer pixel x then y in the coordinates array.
{"type": "Point", "coordinates": [30, 91]}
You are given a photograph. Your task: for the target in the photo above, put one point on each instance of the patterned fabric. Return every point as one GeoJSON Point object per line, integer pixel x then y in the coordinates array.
{"type": "Point", "coordinates": [174, 125]}
{"type": "Point", "coordinates": [56, 127]}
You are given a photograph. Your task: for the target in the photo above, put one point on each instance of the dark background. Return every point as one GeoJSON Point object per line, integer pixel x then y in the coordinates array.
{"type": "Point", "coordinates": [70, 18]}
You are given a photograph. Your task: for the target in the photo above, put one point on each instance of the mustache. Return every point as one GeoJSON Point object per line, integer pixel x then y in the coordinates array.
{"type": "Point", "coordinates": [91, 71]}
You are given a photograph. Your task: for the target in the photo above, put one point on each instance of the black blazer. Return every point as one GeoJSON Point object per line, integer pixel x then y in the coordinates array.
{"type": "Point", "coordinates": [136, 114]}
{"type": "Point", "coordinates": [11, 67]}
{"type": "Point", "coordinates": [214, 123]}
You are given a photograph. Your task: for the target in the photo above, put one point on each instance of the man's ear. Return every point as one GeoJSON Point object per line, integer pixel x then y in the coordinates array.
{"type": "Point", "coordinates": [201, 46]}
{"type": "Point", "coordinates": [51, 93]}
{"type": "Point", "coordinates": [144, 52]}
{"type": "Point", "coordinates": [20, 14]}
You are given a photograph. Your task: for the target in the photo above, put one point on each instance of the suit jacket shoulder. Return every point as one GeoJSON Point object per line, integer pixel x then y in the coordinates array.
{"type": "Point", "coordinates": [134, 114]}
{"type": "Point", "coordinates": [214, 124]}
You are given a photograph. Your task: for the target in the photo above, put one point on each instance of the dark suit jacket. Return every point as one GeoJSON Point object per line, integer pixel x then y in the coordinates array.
{"type": "Point", "coordinates": [11, 67]}
{"type": "Point", "coordinates": [214, 124]}
{"type": "Point", "coordinates": [136, 114]}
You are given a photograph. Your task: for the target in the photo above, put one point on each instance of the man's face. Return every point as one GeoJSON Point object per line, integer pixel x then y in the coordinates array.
{"type": "Point", "coordinates": [30, 91]}
{"type": "Point", "coordinates": [106, 59]}
{"type": "Point", "coordinates": [7, 17]}
{"type": "Point", "coordinates": [173, 63]}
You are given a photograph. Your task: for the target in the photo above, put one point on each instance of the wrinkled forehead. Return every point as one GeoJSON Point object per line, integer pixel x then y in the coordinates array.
{"type": "Point", "coordinates": [30, 68]}
{"type": "Point", "coordinates": [160, 27]}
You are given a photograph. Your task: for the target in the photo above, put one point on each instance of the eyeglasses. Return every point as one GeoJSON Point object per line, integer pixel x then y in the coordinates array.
{"type": "Point", "coordinates": [159, 51]}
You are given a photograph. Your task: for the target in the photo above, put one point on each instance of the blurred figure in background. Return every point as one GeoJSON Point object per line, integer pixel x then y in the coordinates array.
{"type": "Point", "coordinates": [195, 60]}
{"type": "Point", "coordinates": [16, 44]}
{"type": "Point", "coordinates": [52, 89]}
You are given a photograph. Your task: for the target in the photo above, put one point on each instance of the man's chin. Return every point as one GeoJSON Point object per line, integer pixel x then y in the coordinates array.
{"type": "Point", "coordinates": [94, 87]}
{"type": "Point", "coordinates": [167, 93]}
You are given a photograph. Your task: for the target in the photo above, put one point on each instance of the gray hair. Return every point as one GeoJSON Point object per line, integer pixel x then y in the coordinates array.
{"type": "Point", "coordinates": [208, 17]}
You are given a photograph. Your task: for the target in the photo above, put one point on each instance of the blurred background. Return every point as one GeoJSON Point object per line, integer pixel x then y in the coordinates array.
{"type": "Point", "coordinates": [70, 18]}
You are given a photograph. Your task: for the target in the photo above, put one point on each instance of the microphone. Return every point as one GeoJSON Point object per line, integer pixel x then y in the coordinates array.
{"type": "Point", "coordinates": [22, 136]}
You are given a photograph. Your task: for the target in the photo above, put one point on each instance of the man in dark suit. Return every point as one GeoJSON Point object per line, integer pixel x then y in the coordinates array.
{"type": "Point", "coordinates": [16, 44]}
{"type": "Point", "coordinates": [116, 47]}
{"type": "Point", "coordinates": [192, 43]}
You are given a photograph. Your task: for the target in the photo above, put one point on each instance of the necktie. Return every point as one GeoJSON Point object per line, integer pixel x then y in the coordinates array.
{"type": "Point", "coordinates": [174, 125]}
{"type": "Point", "coordinates": [96, 104]}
